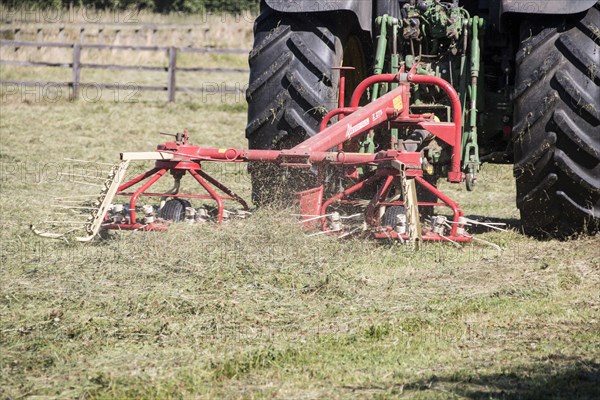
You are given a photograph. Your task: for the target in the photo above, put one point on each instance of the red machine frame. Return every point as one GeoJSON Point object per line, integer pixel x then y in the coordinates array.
{"type": "Point", "coordinates": [353, 123]}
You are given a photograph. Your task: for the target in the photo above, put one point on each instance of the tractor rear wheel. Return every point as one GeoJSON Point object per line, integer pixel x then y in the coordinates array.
{"type": "Point", "coordinates": [557, 125]}
{"type": "Point", "coordinates": [292, 87]}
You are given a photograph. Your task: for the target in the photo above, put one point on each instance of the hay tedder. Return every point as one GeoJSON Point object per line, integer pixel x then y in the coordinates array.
{"type": "Point", "coordinates": [383, 185]}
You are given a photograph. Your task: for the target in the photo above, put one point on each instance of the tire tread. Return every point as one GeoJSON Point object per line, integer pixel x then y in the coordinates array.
{"type": "Point", "coordinates": [557, 126]}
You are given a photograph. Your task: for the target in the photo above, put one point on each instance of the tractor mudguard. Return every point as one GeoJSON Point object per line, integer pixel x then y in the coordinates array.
{"type": "Point", "coordinates": [545, 6]}
{"type": "Point", "coordinates": [363, 10]}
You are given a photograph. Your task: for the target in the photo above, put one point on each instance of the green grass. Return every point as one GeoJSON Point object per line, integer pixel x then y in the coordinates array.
{"type": "Point", "coordinates": [254, 308]}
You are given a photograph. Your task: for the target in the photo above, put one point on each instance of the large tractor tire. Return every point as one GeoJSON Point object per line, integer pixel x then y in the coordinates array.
{"type": "Point", "coordinates": [557, 125]}
{"type": "Point", "coordinates": [292, 87]}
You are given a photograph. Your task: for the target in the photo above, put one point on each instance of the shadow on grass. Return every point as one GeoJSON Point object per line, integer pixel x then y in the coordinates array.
{"type": "Point", "coordinates": [555, 378]}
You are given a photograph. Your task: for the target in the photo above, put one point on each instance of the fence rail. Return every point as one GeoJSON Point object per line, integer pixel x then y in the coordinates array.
{"type": "Point", "coordinates": [171, 87]}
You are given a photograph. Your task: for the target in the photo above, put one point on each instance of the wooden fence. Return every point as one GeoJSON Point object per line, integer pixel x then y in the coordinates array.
{"type": "Point", "coordinates": [75, 84]}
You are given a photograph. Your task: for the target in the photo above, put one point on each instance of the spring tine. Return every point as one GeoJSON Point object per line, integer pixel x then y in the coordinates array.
{"type": "Point", "coordinates": [65, 202]}
{"type": "Point", "coordinates": [315, 217]}
{"type": "Point", "coordinates": [496, 228]}
{"type": "Point", "coordinates": [490, 226]}
{"type": "Point", "coordinates": [82, 176]}
{"type": "Point", "coordinates": [490, 223]}
{"type": "Point", "coordinates": [87, 161]}
{"type": "Point", "coordinates": [82, 223]}
{"type": "Point", "coordinates": [319, 233]}
{"type": "Point", "coordinates": [75, 207]}
{"type": "Point", "coordinates": [456, 223]}
{"type": "Point", "coordinates": [70, 231]}
{"type": "Point", "coordinates": [76, 197]}
{"type": "Point", "coordinates": [494, 245]}
{"type": "Point", "coordinates": [312, 219]}
{"type": "Point", "coordinates": [349, 233]}
{"type": "Point", "coordinates": [351, 216]}
{"type": "Point", "coordinates": [71, 213]}
{"type": "Point", "coordinates": [450, 240]}
{"type": "Point", "coordinates": [46, 234]}
{"type": "Point", "coordinates": [88, 184]}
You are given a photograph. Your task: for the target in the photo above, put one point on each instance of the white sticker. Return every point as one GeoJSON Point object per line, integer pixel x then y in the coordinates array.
{"type": "Point", "coordinates": [377, 115]}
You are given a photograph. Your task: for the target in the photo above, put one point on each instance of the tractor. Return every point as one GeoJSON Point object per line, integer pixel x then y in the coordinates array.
{"type": "Point", "coordinates": [527, 74]}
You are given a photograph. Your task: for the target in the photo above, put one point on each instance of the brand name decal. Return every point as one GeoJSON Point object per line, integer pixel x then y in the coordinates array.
{"type": "Point", "coordinates": [353, 129]}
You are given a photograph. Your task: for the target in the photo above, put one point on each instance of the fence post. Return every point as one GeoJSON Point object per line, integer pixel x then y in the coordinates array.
{"type": "Point", "coordinates": [190, 38]}
{"type": "Point", "coordinates": [39, 36]}
{"type": "Point", "coordinates": [17, 37]}
{"type": "Point", "coordinates": [76, 70]}
{"type": "Point", "coordinates": [172, 70]}
{"type": "Point", "coordinates": [206, 37]}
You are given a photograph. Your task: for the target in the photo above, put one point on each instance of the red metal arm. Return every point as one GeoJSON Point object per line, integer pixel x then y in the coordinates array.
{"type": "Point", "coordinates": [364, 85]}
{"type": "Point", "coordinates": [354, 125]}
{"type": "Point", "coordinates": [333, 113]}
{"type": "Point", "coordinates": [455, 174]}
{"type": "Point", "coordinates": [159, 174]}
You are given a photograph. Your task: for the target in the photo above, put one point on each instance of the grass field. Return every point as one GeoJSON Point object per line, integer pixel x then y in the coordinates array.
{"type": "Point", "coordinates": [256, 309]}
